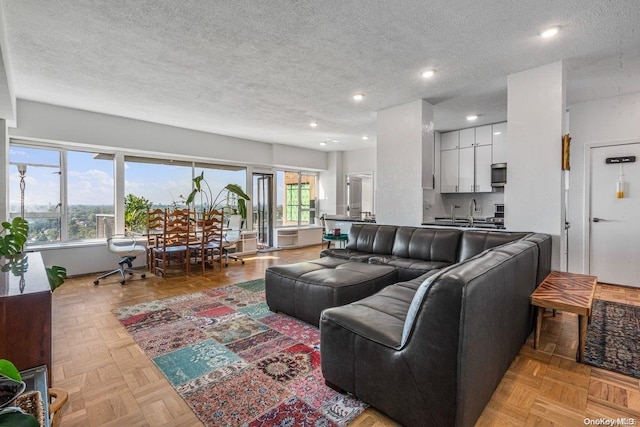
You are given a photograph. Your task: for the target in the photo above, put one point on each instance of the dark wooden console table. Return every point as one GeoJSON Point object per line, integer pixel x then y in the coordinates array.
{"type": "Point", "coordinates": [25, 312]}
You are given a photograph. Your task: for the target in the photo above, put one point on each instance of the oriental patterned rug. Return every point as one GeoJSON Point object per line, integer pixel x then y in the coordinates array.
{"type": "Point", "coordinates": [613, 338]}
{"type": "Point", "coordinates": [236, 363]}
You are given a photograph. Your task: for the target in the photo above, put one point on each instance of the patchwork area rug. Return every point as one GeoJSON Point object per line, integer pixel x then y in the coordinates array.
{"type": "Point", "coordinates": [236, 363]}
{"type": "Point", "coordinates": [613, 338]}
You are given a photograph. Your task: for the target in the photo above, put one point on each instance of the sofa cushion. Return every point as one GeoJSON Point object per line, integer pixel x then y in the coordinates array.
{"type": "Point", "coordinates": [474, 242]}
{"type": "Point", "coordinates": [346, 254]}
{"type": "Point", "coordinates": [304, 289]}
{"type": "Point", "coordinates": [379, 318]}
{"type": "Point", "coordinates": [372, 239]}
{"type": "Point", "coordinates": [408, 268]}
{"type": "Point", "coordinates": [429, 244]}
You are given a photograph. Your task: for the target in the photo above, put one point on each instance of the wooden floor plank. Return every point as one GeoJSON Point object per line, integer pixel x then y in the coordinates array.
{"type": "Point", "coordinates": [111, 382]}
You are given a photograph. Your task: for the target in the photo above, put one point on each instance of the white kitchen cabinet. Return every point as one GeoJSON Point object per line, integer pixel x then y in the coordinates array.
{"type": "Point", "coordinates": [467, 138]}
{"type": "Point", "coordinates": [449, 140]}
{"type": "Point", "coordinates": [466, 170]}
{"type": "Point", "coordinates": [483, 169]}
{"type": "Point", "coordinates": [484, 135]}
{"type": "Point", "coordinates": [449, 171]}
{"type": "Point", "coordinates": [499, 133]}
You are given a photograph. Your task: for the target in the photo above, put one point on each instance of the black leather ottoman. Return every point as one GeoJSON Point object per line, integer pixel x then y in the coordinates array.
{"type": "Point", "coordinates": [304, 289]}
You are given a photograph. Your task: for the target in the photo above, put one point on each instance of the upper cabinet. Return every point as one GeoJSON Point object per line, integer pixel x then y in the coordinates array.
{"type": "Point", "coordinates": [449, 140]}
{"type": "Point", "coordinates": [467, 138]}
{"type": "Point", "coordinates": [499, 134]}
{"type": "Point", "coordinates": [484, 134]}
{"type": "Point", "coordinates": [466, 157]}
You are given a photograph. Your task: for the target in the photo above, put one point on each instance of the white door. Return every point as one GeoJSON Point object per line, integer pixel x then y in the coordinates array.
{"type": "Point", "coordinates": [355, 197]}
{"type": "Point", "coordinates": [614, 222]}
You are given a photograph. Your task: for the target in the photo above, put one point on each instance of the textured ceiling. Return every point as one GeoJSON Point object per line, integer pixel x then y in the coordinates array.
{"type": "Point", "coordinates": [265, 70]}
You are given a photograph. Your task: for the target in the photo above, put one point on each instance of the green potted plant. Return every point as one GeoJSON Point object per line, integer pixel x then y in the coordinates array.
{"type": "Point", "coordinates": [230, 197]}
{"type": "Point", "coordinates": [13, 237]}
{"type": "Point", "coordinates": [11, 386]}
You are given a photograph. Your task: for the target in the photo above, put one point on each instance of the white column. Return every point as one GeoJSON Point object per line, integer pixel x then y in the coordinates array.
{"type": "Point", "coordinates": [403, 132]}
{"type": "Point", "coordinates": [118, 173]}
{"type": "Point", "coordinates": [4, 171]}
{"type": "Point", "coordinates": [534, 198]}
{"type": "Point", "coordinates": [331, 185]}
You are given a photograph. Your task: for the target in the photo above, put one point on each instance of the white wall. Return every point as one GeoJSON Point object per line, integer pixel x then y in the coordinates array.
{"type": "Point", "coordinates": [401, 135]}
{"type": "Point", "coordinates": [600, 121]}
{"type": "Point", "coordinates": [54, 123]}
{"type": "Point", "coordinates": [535, 122]}
{"type": "Point", "coordinates": [359, 161]}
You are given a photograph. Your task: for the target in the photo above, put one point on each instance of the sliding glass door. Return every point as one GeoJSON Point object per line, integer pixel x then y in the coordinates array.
{"type": "Point", "coordinates": [262, 208]}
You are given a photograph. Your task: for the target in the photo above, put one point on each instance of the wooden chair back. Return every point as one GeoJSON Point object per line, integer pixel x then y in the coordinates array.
{"type": "Point", "coordinates": [211, 230]}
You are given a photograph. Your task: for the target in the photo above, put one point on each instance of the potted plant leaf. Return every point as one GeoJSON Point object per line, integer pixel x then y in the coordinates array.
{"type": "Point", "coordinates": [232, 196]}
{"type": "Point", "coordinates": [11, 386]}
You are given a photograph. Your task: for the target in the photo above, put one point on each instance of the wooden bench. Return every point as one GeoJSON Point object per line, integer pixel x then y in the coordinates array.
{"type": "Point", "coordinates": [568, 292]}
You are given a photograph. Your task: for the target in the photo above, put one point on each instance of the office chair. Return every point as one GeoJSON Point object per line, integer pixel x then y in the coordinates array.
{"type": "Point", "coordinates": [126, 248]}
{"type": "Point", "coordinates": [231, 238]}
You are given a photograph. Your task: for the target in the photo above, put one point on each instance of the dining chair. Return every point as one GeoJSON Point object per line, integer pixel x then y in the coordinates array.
{"type": "Point", "coordinates": [172, 248]}
{"type": "Point", "coordinates": [210, 231]}
{"type": "Point", "coordinates": [155, 227]}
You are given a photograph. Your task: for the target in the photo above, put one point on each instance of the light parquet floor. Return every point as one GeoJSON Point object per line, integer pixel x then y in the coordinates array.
{"type": "Point", "coordinates": [111, 382]}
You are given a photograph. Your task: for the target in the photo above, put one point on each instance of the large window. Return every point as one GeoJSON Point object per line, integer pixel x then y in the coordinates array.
{"type": "Point", "coordinates": [67, 195]}
{"type": "Point", "coordinates": [164, 183]}
{"type": "Point", "coordinates": [60, 203]}
{"type": "Point", "coordinates": [296, 200]}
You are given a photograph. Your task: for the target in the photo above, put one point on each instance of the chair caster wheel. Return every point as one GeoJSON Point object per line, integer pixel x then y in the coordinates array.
{"type": "Point", "coordinates": [242, 262]}
{"type": "Point", "coordinates": [144, 276]}
{"type": "Point", "coordinates": [122, 282]}
{"type": "Point", "coordinates": [96, 282]}
{"type": "Point", "coordinates": [130, 274]}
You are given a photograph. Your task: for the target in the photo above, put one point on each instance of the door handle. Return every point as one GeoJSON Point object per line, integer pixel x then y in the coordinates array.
{"type": "Point", "coordinates": [598, 219]}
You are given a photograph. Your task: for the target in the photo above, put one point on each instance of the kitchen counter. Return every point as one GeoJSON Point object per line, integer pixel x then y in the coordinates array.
{"type": "Point", "coordinates": [348, 219]}
{"type": "Point", "coordinates": [479, 223]}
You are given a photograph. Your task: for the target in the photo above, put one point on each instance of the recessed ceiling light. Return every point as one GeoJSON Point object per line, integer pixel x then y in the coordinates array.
{"type": "Point", "coordinates": [365, 138]}
{"type": "Point", "coordinates": [358, 97]}
{"type": "Point", "coordinates": [323, 143]}
{"type": "Point", "coordinates": [472, 117]}
{"type": "Point", "coordinates": [497, 133]}
{"type": "Point", "coordinates": [427, 74]}
{"type": "Point", "coordinates": [313, 124]}
{"type": "Point", "coordinates": [549, 32]}
{"type": "Point", "coordinates": [335, 140]}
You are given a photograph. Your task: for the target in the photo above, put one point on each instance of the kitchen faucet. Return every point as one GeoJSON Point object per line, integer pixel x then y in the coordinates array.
{"type": "Point", "coordinates": [453, 209]}
{"type": "Point", "coordinates": [472, 208]}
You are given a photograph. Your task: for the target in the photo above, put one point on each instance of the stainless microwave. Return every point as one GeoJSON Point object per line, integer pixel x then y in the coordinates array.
{"type": "Point", "coordinates": [498, 174]}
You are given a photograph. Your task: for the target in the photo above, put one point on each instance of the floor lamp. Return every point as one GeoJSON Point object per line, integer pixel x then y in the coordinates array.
{"type": "Point", "coordinates": [22, 170]}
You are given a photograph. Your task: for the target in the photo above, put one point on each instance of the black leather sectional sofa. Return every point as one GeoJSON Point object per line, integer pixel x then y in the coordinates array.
{"type": "Point", "coordinates": [431, 349]}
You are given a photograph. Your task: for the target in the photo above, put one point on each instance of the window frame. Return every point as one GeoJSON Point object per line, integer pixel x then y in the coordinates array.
{"type": "Point", "coordinates": [119, 175]}
{"type": "Point", "coordinates": [313, 195]}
